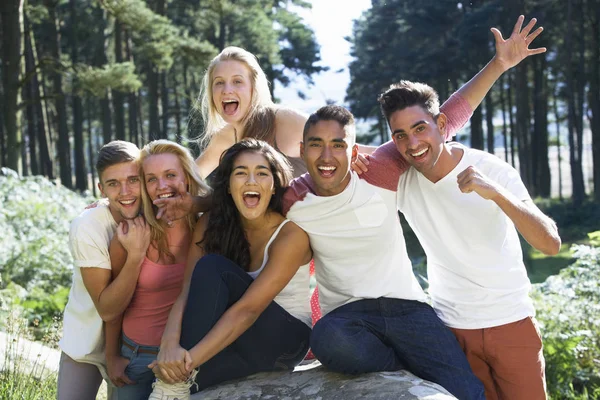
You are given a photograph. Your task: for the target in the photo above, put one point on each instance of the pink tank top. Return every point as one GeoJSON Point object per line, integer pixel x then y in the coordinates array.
{"type": "Point", "coordinates": [157, 289]}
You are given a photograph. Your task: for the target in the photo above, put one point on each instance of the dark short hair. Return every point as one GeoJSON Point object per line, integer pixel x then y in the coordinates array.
{"type": "Point", "coordinates": [115, 152]}
{"type": "Point", "coordinates": [331, 112]}
{"type": "Point", "coordinates": [406, 94]}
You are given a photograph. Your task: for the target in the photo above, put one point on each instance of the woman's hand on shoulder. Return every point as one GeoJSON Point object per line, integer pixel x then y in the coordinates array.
{"type": "Point", "coordinates": [209, 159]}
{"type": "Point", "coordinates": [289, 126]}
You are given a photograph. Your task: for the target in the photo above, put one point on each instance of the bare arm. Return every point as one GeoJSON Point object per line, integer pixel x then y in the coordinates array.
{"type": "Point", "coordinates": [179, 206]}
{"type": "Point", "coordinates": [288, 252]}
{"type": "Point", "coordinates": [174, 362]}
{"type": "Point", "coordinates": [537, 228]}
{"type": "Point", "coordinates": [210, 157]}
{"type": "Point", "coordinates": [111, 298]}
{"type": "Point", "coordinates": [509, 53]}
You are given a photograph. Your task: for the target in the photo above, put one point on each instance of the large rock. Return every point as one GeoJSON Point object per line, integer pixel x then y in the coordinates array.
{"type": "Point", "coordinates": [315, 383]}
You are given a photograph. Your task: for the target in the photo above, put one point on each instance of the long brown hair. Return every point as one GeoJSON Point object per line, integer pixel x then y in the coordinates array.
{"type": "Point", "coordinates": [224, 232]}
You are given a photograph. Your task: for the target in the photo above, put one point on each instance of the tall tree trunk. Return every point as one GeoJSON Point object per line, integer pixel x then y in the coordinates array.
{"type": "Point", "coordinates": [504, 126]}
{"type": "Point", "coordinates": [117, 96]}
{"type": "Point", "coordinates": [81, 182]}
{"type": "Point", "coordinates": [557, 119]}
{"type": "Point", "coordinates": [90, 136]}
{"type": "Point", "coordinates": [177, 111]}
{"type": "Point", "coordinates": [44, 127]}
{"type": "Point", "coordinates": [594, 93]}
{"type": "Point", "coordinates": [523, 126]}
{"type": "Point", "coordinates": [64, 147]}
{"type": "Point", "coordinates": [477, 129]}
{"type": "Point", "coordinates": [30, 101]}
{"type": "Point", "coordinates": [143, 138]}
{"type": "Point", "coordinates": [489, 122]}
{"type": "Point", "coordinates": [511, 120]}
{"type": "Point", "coordinates": [2, 130]}
{"type": "Point", "coordinates": [132, 100]}
{"type": "Point", "coordinates": [101, 60]}
{"type": "Point", "coordinates": [540, 131]}
{"type": "Point", "coordinates": [11, 18]}
{"type": "Point", "coordinates": [154, 122]}
{"type": "Point", "coordinates": [164, 105]}
{"type": "Point", "coordinates": [575, 119]}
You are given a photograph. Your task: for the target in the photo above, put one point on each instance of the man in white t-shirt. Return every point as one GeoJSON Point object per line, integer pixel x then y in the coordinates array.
{"type": "Point", "coordinates": [375, 314]}
{"type": "Point", "coordinates": [93, 297]}
{"type": "Point", "coordinates": [466, 206]}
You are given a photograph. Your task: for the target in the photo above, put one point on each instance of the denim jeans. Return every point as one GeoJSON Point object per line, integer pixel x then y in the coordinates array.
{"type": "Point", "coordinates": [137, 370]}
{"type": "Point", "coordinates": [276, 340]}
{"type": "Point", "coordinates": [388, 334]}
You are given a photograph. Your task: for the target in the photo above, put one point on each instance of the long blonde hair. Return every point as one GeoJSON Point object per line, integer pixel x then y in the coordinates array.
{"type": "Point", "coordinates": [261, 95]}
{"type": "Point", "coordinates": [196, 187]}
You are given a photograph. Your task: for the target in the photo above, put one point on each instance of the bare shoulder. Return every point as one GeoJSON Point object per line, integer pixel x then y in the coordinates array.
{"type": "Point", "coordinates": [209, 159]}
{"type": "Point", "coordinates": [292, 232]}
{"type": "Point", "coordinates": [289, 125]}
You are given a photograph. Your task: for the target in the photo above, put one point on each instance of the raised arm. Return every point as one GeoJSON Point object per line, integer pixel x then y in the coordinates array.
{"type": "Point", "coordinates": [509, 53]}
{"type": "Point", "coordinates": [289, 251]}
{"type": "Point", "coordinates": [111, 298]}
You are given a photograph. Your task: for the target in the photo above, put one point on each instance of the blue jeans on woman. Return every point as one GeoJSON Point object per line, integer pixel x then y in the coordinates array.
{"type": "Point", "coordinates": [387, 334]}
{"type": "Point", "coordinates": [137, 370]}
{"type": "Point", "coordinates": [276, 340]}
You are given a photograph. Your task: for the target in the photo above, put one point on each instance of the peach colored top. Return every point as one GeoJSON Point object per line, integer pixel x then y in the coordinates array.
{"type": "Point", "coordinates": [157, 289]}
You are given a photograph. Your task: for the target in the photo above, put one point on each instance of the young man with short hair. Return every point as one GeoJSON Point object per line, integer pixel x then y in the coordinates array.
{"type": "Point", "coordinates": [375, 315]}
{"type": "Point", "coordinates": [93, 297]}
{"type": "Point", "coordinates": [466, 206]}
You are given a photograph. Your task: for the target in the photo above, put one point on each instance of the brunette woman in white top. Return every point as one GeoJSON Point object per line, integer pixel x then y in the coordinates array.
{"type": "Point", "coordinates": [230, 319]}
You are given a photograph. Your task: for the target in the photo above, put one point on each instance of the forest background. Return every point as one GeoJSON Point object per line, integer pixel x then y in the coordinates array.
{"type": "Point", "coordinates": [76, 74]}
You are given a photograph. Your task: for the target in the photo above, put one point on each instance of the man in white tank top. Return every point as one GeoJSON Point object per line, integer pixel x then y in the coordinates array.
{"type": "Point", "coordinates": [466, 207]}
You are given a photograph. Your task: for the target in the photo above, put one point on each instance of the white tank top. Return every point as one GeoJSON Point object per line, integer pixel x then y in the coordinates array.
{"type": "Point", "coordinates": [295, 296]}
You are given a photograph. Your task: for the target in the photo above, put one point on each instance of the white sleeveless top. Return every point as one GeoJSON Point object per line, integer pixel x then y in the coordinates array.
{"type": "Point", "coordinates": [295, 296]}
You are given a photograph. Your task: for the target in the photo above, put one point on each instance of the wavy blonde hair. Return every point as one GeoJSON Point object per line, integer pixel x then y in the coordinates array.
{"type": "Point", "coordinates": [261, 95]}
{"type": "Point", "coordinates": [196, 187]}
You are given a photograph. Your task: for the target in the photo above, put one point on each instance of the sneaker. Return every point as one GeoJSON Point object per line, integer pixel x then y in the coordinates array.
{"type": "Point", "coordinates": [176, 391]}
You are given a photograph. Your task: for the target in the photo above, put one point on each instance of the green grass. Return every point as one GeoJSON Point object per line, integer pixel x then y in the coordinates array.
{"type": "Point", "coordinates": [540, 266]}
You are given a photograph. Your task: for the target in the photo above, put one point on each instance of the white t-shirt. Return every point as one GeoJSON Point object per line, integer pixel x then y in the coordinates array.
{"type": "Point", "coordinates": [477, 278]}
{"type": "Point", "coordinates": [295, 296]}
{"type": "Point", "coordinates": [357, 242]}
{"type": "Point", "coordinates": [89, 240]}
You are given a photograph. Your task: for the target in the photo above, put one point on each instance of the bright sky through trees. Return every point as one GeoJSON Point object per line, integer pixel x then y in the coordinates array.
{"type": "Point", "coordinates": [331, 21]}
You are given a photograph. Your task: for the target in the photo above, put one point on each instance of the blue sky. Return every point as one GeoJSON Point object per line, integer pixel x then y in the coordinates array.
{"type": "Point", "coordinates": [332, 21]}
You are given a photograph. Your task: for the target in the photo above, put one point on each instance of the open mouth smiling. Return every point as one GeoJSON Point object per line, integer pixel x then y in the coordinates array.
{"type": "Point", "coordinates": [230, 106]}
{"type": "Point", "coordinates": [326, 170]}
{"type": "Point", "coordinates": [251, 198]}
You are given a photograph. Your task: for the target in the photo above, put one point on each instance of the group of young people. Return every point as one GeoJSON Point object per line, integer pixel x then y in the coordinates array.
{"type": "Point", "coordinates": [211, 283]}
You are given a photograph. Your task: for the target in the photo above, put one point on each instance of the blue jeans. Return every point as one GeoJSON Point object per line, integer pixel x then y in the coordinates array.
{"type": "Point", "coordinates": [388, 334]}
{"type": "Point", "coordinates": [276, 340]}
{"type": "Point", "coordinates": [137, 370]}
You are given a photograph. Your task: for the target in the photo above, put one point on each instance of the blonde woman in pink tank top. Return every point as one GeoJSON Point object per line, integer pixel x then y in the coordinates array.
{"type": "Point", "coordinates": [132, 341]}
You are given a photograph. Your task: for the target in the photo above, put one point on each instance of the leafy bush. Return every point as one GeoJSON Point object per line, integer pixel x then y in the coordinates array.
{"type": "Point", "coordinates": [568, 309]}
{"type": "Point", "coordinates": [35, 215]}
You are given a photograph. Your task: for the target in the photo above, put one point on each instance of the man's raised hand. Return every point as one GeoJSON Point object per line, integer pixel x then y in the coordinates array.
{"type": "Point", "coordinates": [515, 49]}
{"type": "Point", "coordinates": [472, 180]}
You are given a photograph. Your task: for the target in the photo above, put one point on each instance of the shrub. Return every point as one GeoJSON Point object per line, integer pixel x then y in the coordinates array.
{"type": "Point", "coordinates": [35, 216]}
{"type": "Point", "coordinates": [568, 310]}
